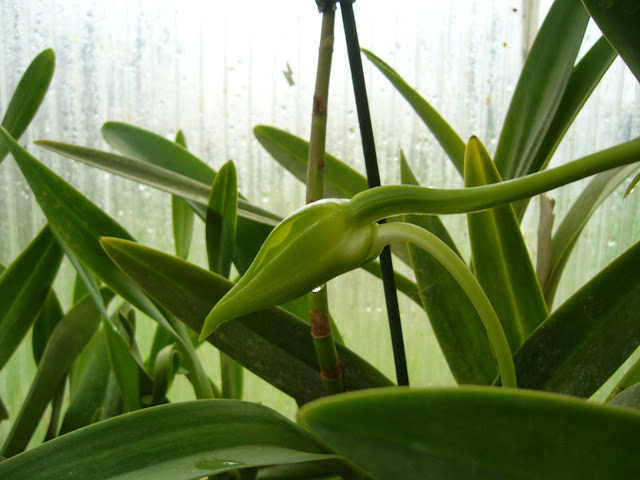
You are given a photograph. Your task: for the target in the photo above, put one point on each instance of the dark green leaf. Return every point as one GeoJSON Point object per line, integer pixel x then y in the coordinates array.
{"type": "Point", "coordinates": [68, 339]}
{"type": "Point", "coordinates": [183, 215]}
{"type": "Point", "coordinates": [90, 390]}
{"type": "Point", "coordinates": [446, 136]}
{"type": "Point", "coordinates": [166, 366]}
{"type": "Point", "coordinates": [619, 20]}
{"type": "Point", "coordinates": [24, 286]}
{"type": "Point", "coordinates": [272, 343]}
{"type": "Point", "coordinates": [569, 230]}
{"type": "Point", "coordinates": [46, 322]}
{"type": "Point", "coordinates": [589, 336]}
{"type": "Point", "coordinates": [540, 88]}
{"type": "Point", "coordinates": [28, 96]}
{"type": "Point", "coordinates": [222, 220]}
{"type": "Point", "coordinates": [4, 413]}
{"type": "Point", "coordinates": [124, 368]}
{"type": "Point", "coordinates": [181, 441]}
{"type": "Point", "coordinates": [455, 322]}
{"type": "Point", "coordinates": [501, 261]}
{"type": "Point", "coordinates": [293, 154]}
{"type": "Point", "coordinates": [477, 433]}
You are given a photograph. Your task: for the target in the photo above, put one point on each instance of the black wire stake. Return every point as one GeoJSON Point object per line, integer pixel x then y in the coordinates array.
{"type": "Point", "coordinates": [373, 176]}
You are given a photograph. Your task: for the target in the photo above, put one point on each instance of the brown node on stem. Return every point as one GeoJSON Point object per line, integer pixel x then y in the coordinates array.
{"type": "Point", "coordinates": [333, 373]}
{"type": "Point", "coordinates": [319, 105]}
{"type": "Point", "coordinates": [320, 325]}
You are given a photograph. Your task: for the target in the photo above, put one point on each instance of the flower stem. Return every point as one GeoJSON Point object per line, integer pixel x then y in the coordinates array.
{"type": "Point", "coordinates": [323, 340]}
{"type": "Point", "coordinates": [406, 232]}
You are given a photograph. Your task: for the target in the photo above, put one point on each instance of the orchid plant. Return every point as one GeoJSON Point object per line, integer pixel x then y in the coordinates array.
{"type": "Point", "coordinates": [523, 367]}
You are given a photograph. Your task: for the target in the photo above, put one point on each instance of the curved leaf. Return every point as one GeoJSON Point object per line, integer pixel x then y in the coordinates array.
{"type": "Point", "coordinates": [569, 230]}
{"type": "Point", "coordinates": [24, 286]}
{"type": "Point", "coordinates": [540, 87]}
{"type": "Point", "coordinates": [501, 260]}
{"type": "Point", "coordinates": [292, 153]}
{"type": "Point", "coordinates": [589, 336]}
{"type": "Point", "coordinates": [221, 220]}
{"type": "Point", "coordinates": [476, 433]}
{"type": "Point", "coordinates": [619, 21]}
{"type": "Point", "coordinates": [180, 441]}
{"type": "Point", "coordinates": [70, 336]}
{"type": "Point", "coordinates": [28, 96]}
{"type": "Point", "coordinates": [455, 322]}
{"type": "Point", "coordinates": [272, 343]}
{"type": "Point", "coordinates": [450, 141]}
{"type": "Point", "coordinates": [166, 366]}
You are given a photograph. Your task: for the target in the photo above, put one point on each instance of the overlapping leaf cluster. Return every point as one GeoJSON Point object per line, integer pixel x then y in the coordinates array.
{"type": "Point", "coordinates": [476, 430]}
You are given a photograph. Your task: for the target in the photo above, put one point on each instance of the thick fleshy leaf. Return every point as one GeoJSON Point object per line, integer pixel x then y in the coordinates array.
{"type": "Point", "coordinates": [619, 21]}
{"type": "Point", "coordinates": [28, 96]}
{"type": "Point", "coordinates": [44, 325]}
{"type": "Point", "coordinates": [446, 136]}
{"type": "Point", "coordinates": [272, 343]}
{"type": "Point", "coordinates": [180, 441]}
{"type": "Point", "coordinates": [455, 322]}
{"type": "Point", "coordinates": [292, 153]}
{"type": "Point", "coordinates": [589, 336]}
{"type": "Point", "coordinates": [70, 336]}
{"type": "Point", "coordinates": [476, 433]}
{"type": "Point", "coordinates": [540, 87]}
{"type": "Point", "coordinates": [24, 286]}
{"type": "Point", "coordinates": [501, 261]}
{"type": "Point", "coordinates": [91, 388]}
{"type": "Point", "coordinates": [568, 232]}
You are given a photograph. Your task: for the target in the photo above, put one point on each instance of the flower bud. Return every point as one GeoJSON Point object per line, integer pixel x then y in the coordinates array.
{"type": "Point", "coordinates": [308, 248]}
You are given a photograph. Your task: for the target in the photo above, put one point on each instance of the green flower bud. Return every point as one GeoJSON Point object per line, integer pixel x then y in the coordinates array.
{"type": "Point", "coordinates": [308, 248]}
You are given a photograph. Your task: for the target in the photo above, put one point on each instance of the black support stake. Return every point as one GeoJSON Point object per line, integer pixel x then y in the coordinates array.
{"type": "Point", "coordinates": [373, 176]}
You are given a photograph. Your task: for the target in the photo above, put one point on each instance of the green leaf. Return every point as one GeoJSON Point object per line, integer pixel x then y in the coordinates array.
{"type": "Point", "coordinates": [446, 136]}
{"type": "Point", "coordinates": [619, 21]}
{"type": "Point", "coordinates": [79, 224]}
{"type": "Point", "coordinates": [632, 185]}
{"type": "Point", "coordinates": [455, 322]}
{"type": "Point", "coordinates": [476, 433]}
{"type": "Point", "coordinates": [588, 337]}
{"type": "Point", "coordinates": [292, 153]}
{"type": "Point", "coordinates": [92, 386]}
{"type": "Point", "coordinates": [183, 216]}
{"type": "Point", "coordinates": [222, 220]}
{"type": "Point", "coordinates": [70, 336]}
{"type": "Point", "coordinates": [24, 286]}
{"type": "Point", "coordinates": [46, 322]}
{"type": "Point", "coordinates": [273, 344]}
{"type": "Point", "coordinates": [585, 77]}
{"type": "Point", "coordinates": [540, 88]}
{"type": "Point", "coordinates": [568, 232]}
{"type": "Point", "coordinates": [181, 441]}
{"type": "Point", "coordinates": [4, 412]}
{"type": "Point", "coordinates": [167, 364]}
{"type": "Point", "coordinates": [28, 96]}
{"type": "Point", "coordinates": [629, 397]}
{"type": "Point", "coordinates": [501, 261]}
{"type": "Point", "coordinates": [124, 368]}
